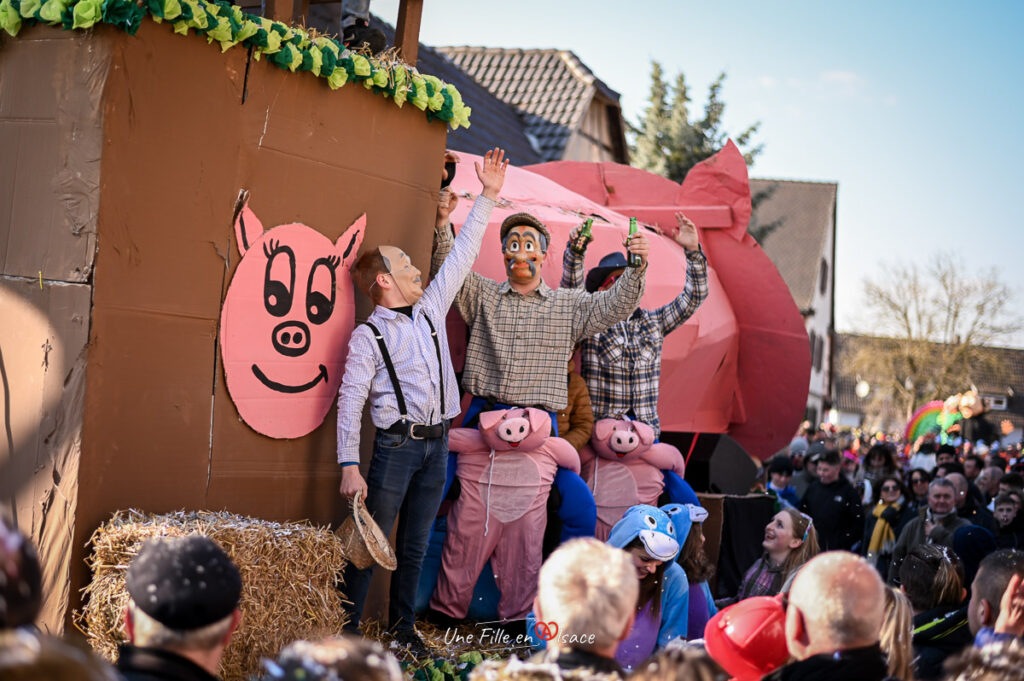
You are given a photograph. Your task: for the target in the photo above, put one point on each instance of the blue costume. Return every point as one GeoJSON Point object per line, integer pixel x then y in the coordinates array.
{"type": "Point", "coordinates": [650, 630]}
{"type": "Point", "coordinates": [702, 605]}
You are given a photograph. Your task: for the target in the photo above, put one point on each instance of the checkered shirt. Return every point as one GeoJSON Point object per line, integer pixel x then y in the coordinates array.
{"type": "Point", "coordinates": [412, 351]}
{"type": "Point", "coordinates": [622, 366]}
{"type": "Point", "coordinates": [519, 344]}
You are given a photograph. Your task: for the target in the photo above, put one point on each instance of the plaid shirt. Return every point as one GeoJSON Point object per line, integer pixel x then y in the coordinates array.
{"type": "Point", "coordinates": [622, 366]}
{"type": "Point", "coordinates": [412, 351]}
{"type": "Point", "coordinates": [519, 344]}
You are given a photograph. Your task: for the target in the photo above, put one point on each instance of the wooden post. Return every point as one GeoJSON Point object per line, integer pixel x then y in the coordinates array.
{"type": "Point", "coordinates": [281, 10]}
{"type": "Point", "coordinates": [407, 30]}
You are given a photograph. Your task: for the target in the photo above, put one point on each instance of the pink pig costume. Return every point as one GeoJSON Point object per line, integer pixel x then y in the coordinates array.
{"type": "Point", "coordinates": [506, 469]}
{"type": "Point", "coordinates": [622, 466]}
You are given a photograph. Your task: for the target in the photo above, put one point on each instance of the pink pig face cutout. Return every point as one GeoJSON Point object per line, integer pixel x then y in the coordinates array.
{"type": "Point", "coordinates": [621, 440]}
{"type": "Point", "coordinates": [286, 323]}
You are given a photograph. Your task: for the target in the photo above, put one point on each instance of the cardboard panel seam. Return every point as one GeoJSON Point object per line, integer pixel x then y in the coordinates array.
{"type": "Point", "coordinates": [344, 169]}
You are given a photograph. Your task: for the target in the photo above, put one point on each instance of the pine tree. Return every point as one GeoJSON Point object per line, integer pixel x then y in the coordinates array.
{"type": "Point", "coordinates": [668, 143]}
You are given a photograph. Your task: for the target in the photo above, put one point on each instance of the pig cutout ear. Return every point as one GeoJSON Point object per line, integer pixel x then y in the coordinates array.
{"type": "Point", "coordinates": [349, 242]}
{"type": "Point", "coordinates": [490, 419]}
{"type": "Point", "coordinates": [248, 228]}
{"type": "Point", "coordinates": [645, 432]}
{"type": "Point", "coordinates": [540, 421]}
{"type": "Point", "coordinates": [603, 429]}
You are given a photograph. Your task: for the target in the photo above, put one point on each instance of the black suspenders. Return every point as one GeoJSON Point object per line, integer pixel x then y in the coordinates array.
{"type": "Point", "coordinates": [394, 376]}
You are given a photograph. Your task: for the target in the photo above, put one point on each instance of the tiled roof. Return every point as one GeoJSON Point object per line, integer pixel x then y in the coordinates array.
{"type": "Point", "coordinates": [551, 89]}
{"type": "Point", "coordinates": [492, 123]}
{"type": "Point", "coordinates": [1004, 376]}
{"type": "Point", "coordinates": [807, 211]}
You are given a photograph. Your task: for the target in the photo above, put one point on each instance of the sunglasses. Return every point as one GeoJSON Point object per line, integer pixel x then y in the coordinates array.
{"type": "Point", "coordinates": [890, 488]}
{"type": "Point", "coordinates": [917, 481]}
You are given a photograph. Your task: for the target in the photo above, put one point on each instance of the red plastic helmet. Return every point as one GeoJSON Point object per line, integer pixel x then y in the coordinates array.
{"type": "Point", "coordinates": [748, 639]}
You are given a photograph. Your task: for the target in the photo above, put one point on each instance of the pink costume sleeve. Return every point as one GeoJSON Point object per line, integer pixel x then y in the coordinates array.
{"type": "Point", "coordinates": [664, 456]}
{"type": "Point", "coordinates": [563, 453]}
{"type": "Point", "coordinates": [464, 440]}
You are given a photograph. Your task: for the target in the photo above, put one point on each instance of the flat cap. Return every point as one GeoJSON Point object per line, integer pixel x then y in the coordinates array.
{"type": "Point", "coordinates": [184, 583]}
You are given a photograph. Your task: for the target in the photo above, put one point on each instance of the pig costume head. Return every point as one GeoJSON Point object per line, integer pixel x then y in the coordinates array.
{"type": "Point", "coordinates": [515, 429]}
{"type": "Point", "coordinates": [286, 322]}
{"type": "Point", "coordinates": [621, 440]}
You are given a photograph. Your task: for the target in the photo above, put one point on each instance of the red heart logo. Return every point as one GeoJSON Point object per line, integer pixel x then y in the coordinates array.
{"type": "Point", "coordinates": [546, 631]}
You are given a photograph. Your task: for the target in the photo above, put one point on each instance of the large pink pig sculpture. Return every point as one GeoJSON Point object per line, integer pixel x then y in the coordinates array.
{"type": "Point", "coordinates": [286, 322]}
{"type": "Point", "coordinates": [506, 469]}
{"type": "Point", "coordinates": [622, 465]}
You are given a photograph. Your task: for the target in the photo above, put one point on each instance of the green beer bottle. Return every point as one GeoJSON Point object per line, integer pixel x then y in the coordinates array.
{"type": "Point", "coordinates": [632, 259]}
{"type": "Point", "coordinates": [579, 244]}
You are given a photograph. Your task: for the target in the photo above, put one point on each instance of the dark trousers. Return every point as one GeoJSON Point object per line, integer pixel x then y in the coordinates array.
{"type": "Point", "coordinates": [405, 481]}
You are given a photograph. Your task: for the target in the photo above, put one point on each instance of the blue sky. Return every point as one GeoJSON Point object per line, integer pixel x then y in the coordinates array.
{"type": "Point", "coordinates": [916, 109]}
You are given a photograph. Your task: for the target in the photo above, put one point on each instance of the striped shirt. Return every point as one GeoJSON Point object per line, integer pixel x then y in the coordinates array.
{"type": "Point", "coordinates": [411, 348]}
{"type": "Point", "coordinates": [622, 366]}
{"type": "Point", "coordinates": [519, 344]}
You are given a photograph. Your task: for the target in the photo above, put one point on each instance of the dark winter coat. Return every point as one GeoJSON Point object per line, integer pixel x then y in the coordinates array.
{"type": "Point", "coordinates": [154, 664]}
{"type": "Point", "coordinates": [837, 512]}
{"type": "Point", "coordinates": [939, 633]}
{"type": "Point", "coordinates": [858, 664]}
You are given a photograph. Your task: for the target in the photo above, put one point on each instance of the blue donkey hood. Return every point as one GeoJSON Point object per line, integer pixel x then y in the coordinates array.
{"type": "Point", "coordinates": [683, 516]}
{"type": "Point", "coordinates": [652, 526]}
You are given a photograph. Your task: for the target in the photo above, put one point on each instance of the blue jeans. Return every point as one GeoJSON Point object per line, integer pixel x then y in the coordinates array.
{"type": "Point", "coordinates": [406, 480]}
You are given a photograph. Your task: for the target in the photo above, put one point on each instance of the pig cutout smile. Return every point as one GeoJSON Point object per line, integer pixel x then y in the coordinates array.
{"type": "Point", "coordinates": [286, 322]}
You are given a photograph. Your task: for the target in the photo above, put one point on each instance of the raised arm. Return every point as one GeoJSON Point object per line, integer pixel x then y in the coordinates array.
{"type": "Point", "coordinates": [572, 263]}
{"type": "Point", "coordinates": [672, 315]}
{"type": "Point", "coordinates": [595, 312]}
{"type": "Point", "coordinates": [453, 257]}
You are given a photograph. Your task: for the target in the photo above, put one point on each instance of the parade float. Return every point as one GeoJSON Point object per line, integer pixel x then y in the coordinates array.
{"type": "Point", "coordinates": [156, 151]}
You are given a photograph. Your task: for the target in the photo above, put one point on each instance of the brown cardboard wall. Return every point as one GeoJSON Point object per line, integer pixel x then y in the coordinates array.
{"type": "Point", "coordinates": [160, 430]}
{"type": "Point", "coordinates": [42, 365]}
{"type": "Point", "coordinates": [50, 136]}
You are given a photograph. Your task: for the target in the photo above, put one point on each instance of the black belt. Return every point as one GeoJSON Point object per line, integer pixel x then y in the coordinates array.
{"type": "Point", "coordinates": [417, 431]}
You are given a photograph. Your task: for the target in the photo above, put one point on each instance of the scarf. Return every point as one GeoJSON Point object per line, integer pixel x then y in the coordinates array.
{"type": "Point", "coordinates": [882, 537]}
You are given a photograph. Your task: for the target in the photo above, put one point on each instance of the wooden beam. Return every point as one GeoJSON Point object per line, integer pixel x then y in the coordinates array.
{"type": "Point", "coordinates": [407, 30]}
{"type": "Point", "coordinates": [281, 10]}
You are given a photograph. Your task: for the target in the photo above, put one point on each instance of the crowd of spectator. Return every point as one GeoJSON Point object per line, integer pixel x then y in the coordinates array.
{"type": "Point", "coordinates": [877, 565]}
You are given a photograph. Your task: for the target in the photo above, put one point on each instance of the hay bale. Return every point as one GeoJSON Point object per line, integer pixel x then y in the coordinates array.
{"type": "Point", "coordinates": [289, 572]}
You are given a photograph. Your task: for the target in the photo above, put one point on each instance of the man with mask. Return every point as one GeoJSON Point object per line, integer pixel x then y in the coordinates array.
{"type": "Point", "coordinates": [622, 366]}
{"type": "Point", "coordinates": [399, 361]}
{"type": "Point", "coordinates": [522, 332]}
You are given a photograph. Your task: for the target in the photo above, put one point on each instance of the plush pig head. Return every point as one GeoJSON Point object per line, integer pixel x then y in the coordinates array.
{"type": "Point", "coordinates": [621, 440]}
{"type": "Point", "coordinates": [515, 429]}
{"type": "Point", "coordinates": [286, 322]}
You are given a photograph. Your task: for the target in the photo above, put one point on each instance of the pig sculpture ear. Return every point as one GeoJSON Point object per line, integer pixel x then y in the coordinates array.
{"type": "Point", "coordinates": [248, 228]}
{"type": "Point", "coordinates": [349, 242]}
{"type": "Point", "coordinates": [490, 419]}
{"type": "Point", "coordinates": [539, 420]}
{"type": "Point", "coordinates": [603, 429]}
{"type": "Point", "coordinates": [644, 431]}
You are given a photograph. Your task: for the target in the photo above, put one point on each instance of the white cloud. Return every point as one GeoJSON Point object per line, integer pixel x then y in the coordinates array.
{"type": "Point", "coordinates": [767, 82]}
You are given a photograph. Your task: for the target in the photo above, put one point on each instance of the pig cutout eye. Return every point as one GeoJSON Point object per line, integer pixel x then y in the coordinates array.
{"type": "Point", "coordinates": [279, 279]}
{"type": "Point", "coordinates": [320, 289]}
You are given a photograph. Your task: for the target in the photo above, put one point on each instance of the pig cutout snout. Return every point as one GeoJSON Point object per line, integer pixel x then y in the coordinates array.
{"type": "Point", "coordinates": [286, 322]}
{"type": "Point", "coordinates": [509, 429]}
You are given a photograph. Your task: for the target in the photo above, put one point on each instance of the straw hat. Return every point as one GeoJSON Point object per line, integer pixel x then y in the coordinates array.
{"type": "Point", "coordinates": [364, 542]}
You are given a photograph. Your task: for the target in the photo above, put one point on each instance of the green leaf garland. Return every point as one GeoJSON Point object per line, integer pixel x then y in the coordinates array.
{"type": "Point", "coordinates": [286, 47]}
